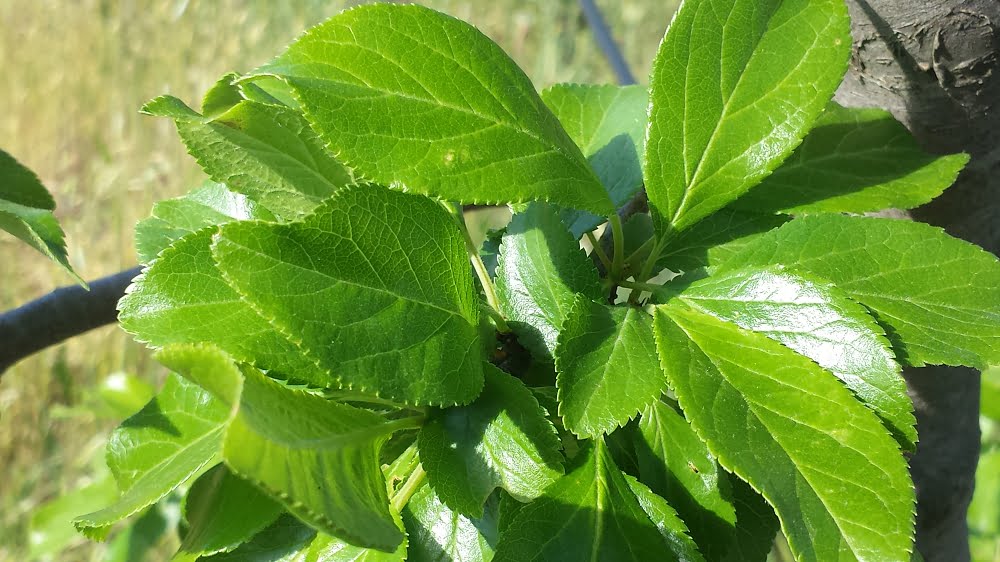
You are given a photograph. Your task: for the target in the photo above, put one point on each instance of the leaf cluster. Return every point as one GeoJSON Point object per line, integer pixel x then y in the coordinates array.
{"type": "Point", "coordinates": [343, 388]}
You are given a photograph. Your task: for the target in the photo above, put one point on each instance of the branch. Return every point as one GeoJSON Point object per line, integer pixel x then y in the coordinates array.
{"type": "Point", "coordinates": [61, 314]}
{"type": "Point", "coordinates": [607, 44]}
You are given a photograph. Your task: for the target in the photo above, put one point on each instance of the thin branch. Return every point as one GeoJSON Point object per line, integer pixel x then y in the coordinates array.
{"type": "Point", "coordinates": [63, 313]}
{"type": "Point", "coordinates": [607, 44]}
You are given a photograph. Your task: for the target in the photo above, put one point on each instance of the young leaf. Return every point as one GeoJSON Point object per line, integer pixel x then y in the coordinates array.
{"type": "Point", "coordinates": [716, 238]}
{"type": "Point", "coordinates": [435, 532]}
{"type": "Point", "coordinates": [591, 513]}
{"type": "Point", "coordinates": [172, 219]}
{"type": "Point", "coordinates": [500, 440]}
{"type": "Point", "coordinates": [675, 463]}
{"type": "Point", "coordinates": [937, 296]}
{"type": "Point", "coordinates": [607, 367]}
{"type": "Point", "coordinates": [222, 96]}
{"type": "Point", "coordinates": [608, 123]}
{"type": "Point", "coordinates": [377, 285]}
{"type": "Point", "coordinates": [266, 152]}
{"type": "Point", "coordinates": [222, 512]}
{"type": "Point", "coordinates": [670, 526]}
{"type": "Point", "coordinates": [177, 434]}
{"type": "Point", "coordinates": [319, 458]}
{"type": "Point", "coordinates": [540, 271]}
{"type": "Point", "coordinates": [813, 318]}
{"type": "Point", "coordinates": [370, 81]}
{"type": "Point", "coordinates": [855, 161]}
{"type": "Point", "coordinates": [832, 472]}
{"type": "Point", "coordinates": [734, 88]}
{"type": "Point", "coordinates": [182, 298]}
{"type": "Point", "coordinates": [26, 212]}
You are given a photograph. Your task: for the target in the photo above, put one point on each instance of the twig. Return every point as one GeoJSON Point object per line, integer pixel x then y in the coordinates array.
{"type": "Point", "coordinates": [607, 44]}
{"type": "Point", "coordinates": [63, 313]}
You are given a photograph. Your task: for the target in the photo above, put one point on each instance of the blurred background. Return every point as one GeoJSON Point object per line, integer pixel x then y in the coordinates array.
{"type": "Point", "coordinates": [74, 76]}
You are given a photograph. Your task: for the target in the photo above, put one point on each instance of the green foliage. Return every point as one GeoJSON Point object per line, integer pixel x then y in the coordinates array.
{"type": "Point", "coordinates": [26, 212]}
{"type": "Point", "coordinates": [347, 391]}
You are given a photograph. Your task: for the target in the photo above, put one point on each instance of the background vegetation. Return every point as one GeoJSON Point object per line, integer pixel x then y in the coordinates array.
{"type": "Point", "coordinates": [76, 74]}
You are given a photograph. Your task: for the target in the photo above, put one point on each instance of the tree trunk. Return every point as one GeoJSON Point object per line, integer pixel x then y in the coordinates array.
{"type": "Point", "coordinates": [934, 65]}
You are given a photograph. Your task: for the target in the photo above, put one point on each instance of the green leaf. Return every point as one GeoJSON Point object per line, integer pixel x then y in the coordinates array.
{"type": "Point", "coordinates": [266, 152]}
{"type": "Point", "coordinates": [140, 539]}
{"type": "Point", "coordinates": [285, 540]}
{"type": "Point", "coordinates": [436, 533]}
{"type": "Point", "coordinates": [222, 96]}
{"type": "Point", "coordinates": [670, 526]}
{"type": "Point", "coordinates": [176, 435]}
{"type": "Point", "coordinates": [376, 284]}
{"type": "Point", "coordinates": [937, 296]}
{"type": "Point", "coordinates": [182, 298]}
{"type": "Point", "coordinates": [500, 440]}
{"type": "Point", "coordinates": [607, 367]}
{"type": "Point", "coordinates": [855, 161]}
{"type": "Point", "coordinates": [540, 271]}
{"type": "Point", "coordinates": [734, 88]}
{"type": "Point", "coordinates": [208, 367]}
{"type": "Point", "coordinates": [716, 238]}
{"type": "Point", "coordinates": [208, 205]}
{"type": "Point", "coordinates": [26, 212]}
{"type": "Point", "coordinates": [319, 458]}
{"type": "Point", "coordinates": [677, 465]}
{"type": "Point", "coordinates": [51, 527]}
{"type": "Point", "coordinates": [591, 513]}
{"type": "Point", "coordinates": [811, 317]}
{"type": "Point", "coordinates": [833, 474]}
{"type": "Point", "coordinates": [608, 123]}
{"type": "Point", "coordinates": [222, 512]}
{"type": "Point", "coordinates": [989, 398]}
{"type": "Point", "coordinates": [370, 80]}
{"type": "Point", "coordinates": [325, 548]}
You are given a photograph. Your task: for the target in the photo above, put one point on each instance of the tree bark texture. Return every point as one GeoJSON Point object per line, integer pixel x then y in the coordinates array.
{"type": "Point", "coordinates": [934, 65]}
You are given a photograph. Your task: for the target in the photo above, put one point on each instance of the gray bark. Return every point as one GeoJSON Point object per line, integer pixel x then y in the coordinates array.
{"type": "Point", "coordinates": [934, 65]}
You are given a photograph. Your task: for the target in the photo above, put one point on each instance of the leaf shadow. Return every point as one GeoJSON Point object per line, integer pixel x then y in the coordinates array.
{"type": "Point", "coordinates": [773, 194]}
{"type": "Point", "coordinates": [152, 417]}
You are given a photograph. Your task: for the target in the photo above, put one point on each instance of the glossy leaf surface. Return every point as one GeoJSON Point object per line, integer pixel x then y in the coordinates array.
{"type": "Point", "coordinates": [663, 516]}
{"type": "Point", "coordinates": [813, 318]}
{"type": "Point", "coordinates": [939, 297]}
{"type": "Point", "coordinates": [319, 458]}
{"type": "Point", "coordinates": [855, 161]}
{"type": "Point", "coordinates": [501, 440]}
{"type": "Point", "coordinates": [540, 271]}
{"type": "Point", "coordinates": [591, 513]}
{"type": "Point", "coordinates": [177, 434]}
{"type": "Point", "coordinates": [830, 469]}
{"type": "Point", "coordinates": [608, 123]}
{"type": "Point", "coordinates": [172, 219]}
{"type": "Point", "coordinates": [677, 465]}
{"type": "Point", "coordinates": [223, 511]}
{"type": "Point", "coordinates": [26, 212]}
{"type": "Point", "coordinates": [438, 534]}
{"type": "Point", "coordinates": [369, 80]}
{"type": "Point", "coordinates": [265, 151]}
{"type": "Point", "coordinates": [607, 367]}
{"type": "Point", "coordinates": [376, 285]}
{"type": "Point", "coordinates": [182, 298]}
{"type": "Point", "coordinates": [734, 88]}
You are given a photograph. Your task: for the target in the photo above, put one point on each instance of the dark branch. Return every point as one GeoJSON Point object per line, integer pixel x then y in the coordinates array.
{"type": "Point", "coordinates": [61, 314]}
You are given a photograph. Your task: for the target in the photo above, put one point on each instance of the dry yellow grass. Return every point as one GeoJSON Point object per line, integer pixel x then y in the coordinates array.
{"type": "Point", "coordinates": [75, 74]}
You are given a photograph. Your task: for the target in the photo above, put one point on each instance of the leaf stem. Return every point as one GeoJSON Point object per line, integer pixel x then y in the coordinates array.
{"type": "Point", "coordinates": [477, 261]}
{"type": "Point", "coordinates": [498, 320]}
{"type": "Point", "coordinates": [619, 237]}
{"type": "Point", "coordinates": [410, 487]}
{"type": "Point", "coordinates": [410, 422]}
{"type": "Point", "coordinates": [599, 251]}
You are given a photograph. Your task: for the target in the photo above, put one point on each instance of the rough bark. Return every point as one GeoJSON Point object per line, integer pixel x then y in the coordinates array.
{"type": "Point", "coordinates": [934, 65]}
